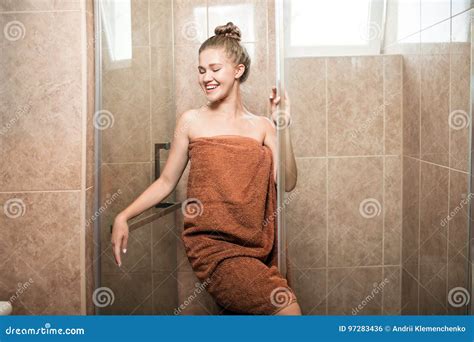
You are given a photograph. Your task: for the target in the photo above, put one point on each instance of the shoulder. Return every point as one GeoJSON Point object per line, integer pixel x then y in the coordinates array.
{"type": "Point", "coordinates": [266, 122]}
{"type": "Point", "coordinates": [188, 117]}
{"type": "Point", "coordinates": [262, 121]}
{"type": "Point", "coordinates": [189, 114]}
{"type": "Point", "coordinates": [267, 125]}
{"type": "Point", "coordinates": [185, 121]}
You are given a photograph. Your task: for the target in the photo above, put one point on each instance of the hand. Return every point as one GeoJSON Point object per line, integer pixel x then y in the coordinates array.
{"type": "Point", "coordinates": [278, 116]}
{"type": "Point", "coordinates": [119, 238]}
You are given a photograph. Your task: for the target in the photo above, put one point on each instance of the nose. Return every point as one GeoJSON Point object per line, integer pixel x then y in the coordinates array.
{"type": "Point", "coordinates": [207, 77]}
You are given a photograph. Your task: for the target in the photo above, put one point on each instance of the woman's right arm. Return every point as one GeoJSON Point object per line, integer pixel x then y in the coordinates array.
{"type": "Point", "coordinates": [158, 190]}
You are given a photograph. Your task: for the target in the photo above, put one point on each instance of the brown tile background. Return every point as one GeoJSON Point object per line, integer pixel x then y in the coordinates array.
{"type": "Point", "coordinates": [435, 158]}
{"type": "Point", "coordinates": [49, 93]}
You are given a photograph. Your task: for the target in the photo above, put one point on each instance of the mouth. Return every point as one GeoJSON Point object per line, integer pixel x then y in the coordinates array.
{"type": "Point", "coordinates": [211, 87]}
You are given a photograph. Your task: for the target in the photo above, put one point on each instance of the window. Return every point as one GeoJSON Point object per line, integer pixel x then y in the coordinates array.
{"type": "Point", "coordinates": [117, 27]}
{"type": "Point", "coordinates": [336, 27]}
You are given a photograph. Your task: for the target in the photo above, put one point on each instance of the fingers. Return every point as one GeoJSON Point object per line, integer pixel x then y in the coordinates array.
{"type": "Point", "coordinates": [116, 248]}
{"type": "Point", "coordinates": [273, 93]}
{"type": "Point", "coordinates": [124, 244]}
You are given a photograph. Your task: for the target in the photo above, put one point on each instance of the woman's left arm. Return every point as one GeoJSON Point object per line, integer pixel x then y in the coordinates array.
{"type": "Point", "coordinates": [281, 122]}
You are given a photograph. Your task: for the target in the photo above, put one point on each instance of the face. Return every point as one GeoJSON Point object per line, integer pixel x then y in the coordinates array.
{"type": "Point", "coordinates": [217, 74]}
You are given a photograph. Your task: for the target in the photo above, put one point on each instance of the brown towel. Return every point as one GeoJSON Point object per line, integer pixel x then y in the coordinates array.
{"type": "Point", "coordinates": [231, 208]}
{"type": "Point", "coordinates": [230, 227]}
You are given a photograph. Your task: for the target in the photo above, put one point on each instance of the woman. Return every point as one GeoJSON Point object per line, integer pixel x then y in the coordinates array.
{"type": "Point", "coordinates": [230, 244]}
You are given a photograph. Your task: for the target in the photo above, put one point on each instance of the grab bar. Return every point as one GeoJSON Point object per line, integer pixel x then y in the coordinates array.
{"type": "Point", "coordinates": [166, 207]}
{"type": "Point", "coordinates": [142, 221]}
{"type": "Point", "coordinates": [158, 147]}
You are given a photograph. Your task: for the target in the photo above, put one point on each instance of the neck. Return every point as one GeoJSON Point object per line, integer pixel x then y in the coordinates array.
{"type": "Point", "coordinates": [231, 106]}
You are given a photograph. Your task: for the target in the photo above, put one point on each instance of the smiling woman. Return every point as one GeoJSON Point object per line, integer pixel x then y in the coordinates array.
{"type": "Point", "coordinates": [232, 183]}
{"type": "Point", "coordinates": [234, 51]}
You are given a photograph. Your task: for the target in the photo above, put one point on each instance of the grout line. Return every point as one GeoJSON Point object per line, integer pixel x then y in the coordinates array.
{"type": "Point", "coordinates": [84, 104]}
{"type": "Point", "coordinates": [37, 191]}
{"type": "Point", "coordinates": [431, 163]}
{"type": "Point", "coordinates": [419, 171]}
{"type": "Point", "coordinates": [43, 11]}
{"type": "Point", "coordinates": [402, 165]}
{"type": "Point", "coordinates": [381, 155]}
{"type": "Point", "coordinates": [327, 182]}
{"type": "Point", "coordinates": [449, 162]}
{"type": "Point", "coordinates": [384, 86]}
{"type": "Point", "coordinates": [349, 156]}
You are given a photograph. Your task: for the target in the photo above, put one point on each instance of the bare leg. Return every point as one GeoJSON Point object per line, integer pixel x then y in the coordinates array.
{"type": "Point", "coordinates": [291, 310]}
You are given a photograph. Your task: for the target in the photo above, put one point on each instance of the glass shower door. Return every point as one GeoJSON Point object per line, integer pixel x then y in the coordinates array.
{"type": "Point", "coordinates": [134, 124]}
{"type": "Point", "coordinates": [379, 222]}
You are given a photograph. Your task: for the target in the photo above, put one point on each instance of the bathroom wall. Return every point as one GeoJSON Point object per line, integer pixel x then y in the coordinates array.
{"type": "Point", "coordinates": [194, 22]}
{"type": "Point", "coordinates": [436, 52]}
{"type": "Point", "coordinates": [344, 216]}
{"type": "Point", "coordinates": [138, 111]}
{"type": "Point", "coordinates": [46, 182]}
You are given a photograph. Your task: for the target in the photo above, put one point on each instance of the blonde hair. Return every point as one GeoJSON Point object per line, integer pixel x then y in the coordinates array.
{"type": "Point", "coordinates": [228, 37]}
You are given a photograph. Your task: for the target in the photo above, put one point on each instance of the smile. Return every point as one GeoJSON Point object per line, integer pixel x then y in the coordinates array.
{"type": "Point", "coordinates": [211, 87]}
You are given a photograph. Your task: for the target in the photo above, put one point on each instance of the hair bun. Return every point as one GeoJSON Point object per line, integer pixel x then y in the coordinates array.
{"type": "Point", "coordinates": [228, 30]}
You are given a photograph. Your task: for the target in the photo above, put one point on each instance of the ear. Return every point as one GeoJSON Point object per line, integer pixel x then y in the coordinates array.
{"type": "Point", "coordinates": [239, 70]}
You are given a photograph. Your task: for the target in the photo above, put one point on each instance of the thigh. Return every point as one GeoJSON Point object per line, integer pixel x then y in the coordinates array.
{"type": "Point", "coordinates": [245, 285]}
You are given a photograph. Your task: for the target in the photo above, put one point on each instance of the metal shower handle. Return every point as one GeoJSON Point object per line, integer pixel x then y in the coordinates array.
{"type": "Point", "coordinates": [158, 147]}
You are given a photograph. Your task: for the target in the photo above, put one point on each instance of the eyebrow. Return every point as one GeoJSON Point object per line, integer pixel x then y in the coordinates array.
{"type": "Point", "coordinates": [212, 64]}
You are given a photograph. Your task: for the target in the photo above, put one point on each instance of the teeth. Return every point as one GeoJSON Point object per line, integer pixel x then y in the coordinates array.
{"type": "Point", "coordinates": [211, 87]}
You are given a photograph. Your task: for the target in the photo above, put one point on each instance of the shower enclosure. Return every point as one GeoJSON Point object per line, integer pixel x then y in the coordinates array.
{"type": "Point", "coordinates": [381, 130]}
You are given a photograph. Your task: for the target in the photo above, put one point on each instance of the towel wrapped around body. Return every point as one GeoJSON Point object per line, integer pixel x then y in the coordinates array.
{"type": "Point", "coordinates": [230, 224]}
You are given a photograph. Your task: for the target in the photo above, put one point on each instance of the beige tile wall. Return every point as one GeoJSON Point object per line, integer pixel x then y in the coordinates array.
{"type": "Point", "coordinates": [344, 216]}
{"type": "Point", "coordinates": [435, 158]}
{"type": "Point", "coordinates": [47, 147]}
